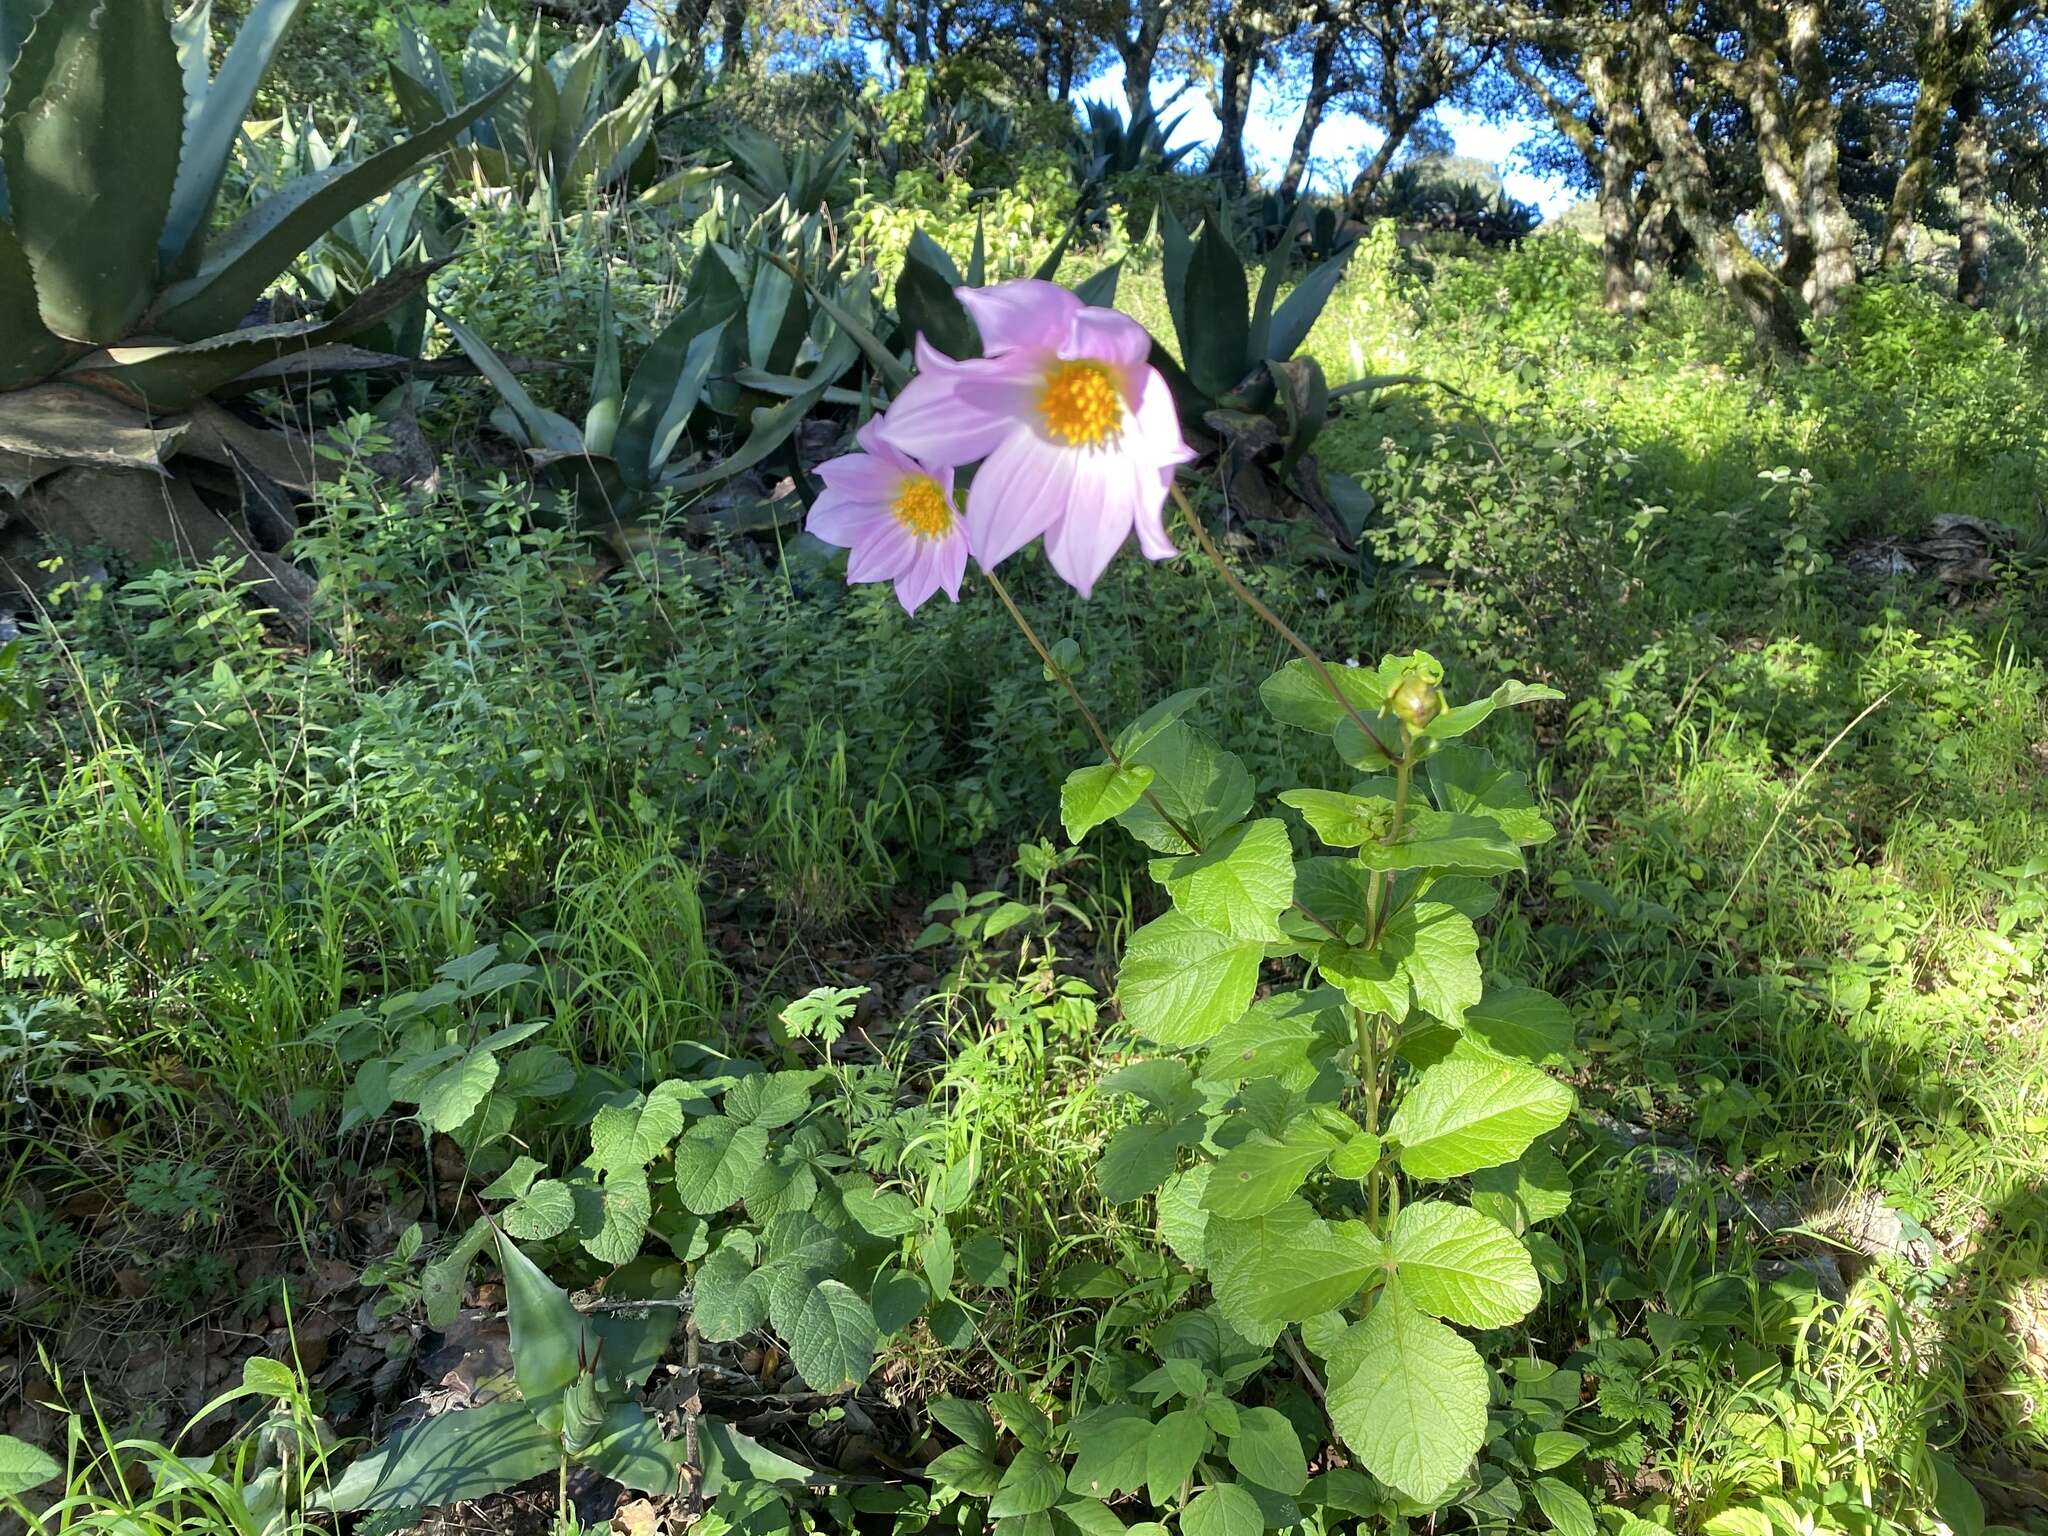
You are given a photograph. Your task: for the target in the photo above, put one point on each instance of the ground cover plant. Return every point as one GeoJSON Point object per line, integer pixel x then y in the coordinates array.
{"type": "Point", "coordinates": [930, 812]}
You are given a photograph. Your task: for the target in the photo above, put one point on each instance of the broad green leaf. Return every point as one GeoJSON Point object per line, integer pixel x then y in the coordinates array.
{"type": "Point", "coordinates": [1356, 1157]}
{"type": "Point", "coordinates": [1214, 344]}
{"type": "Point", "coordinates": [1273, 1039]}
{"type": "Point", "coordinates": [1141, 732]}
{"type": "Point", "coordinates": [1238, 884]}
{"type": "Point", "coordinates": [1465, 780]}
{"type": "Point", "coordinates": [1567, 1510]}
{"type": "Point", "coordinates": [967, 1468]}
{"type": "Point", "coordinates": [1535, 1187]}
{"type": "Point", "coordinates": [1552, 1448]}
{"type": "Point", "coordinates": [1266, 1450]}
{"type": "Point", "coordinates": [452, 1095]}
{"type": "Point", "coordinates": [1523, 1024]}
{"type": "Point", "coordinates": [832, 1338]}
{"type": "Point", "coordinates": [617, 1216]}
{"type": "Point", "coordinates": [897, 1298]}
{"type": "Point", "coordinates": [1031, 1484]}
{"type": "Point", "coordinates": [1094, 795]}
{"type": "Point", "coordinates": [632, 1136]}
{"type": "Point", "coordinates": [716, 1161]}
{"type": "Point", "coordinates": [23, 1466]}
{"type": "Point", "coordinates": [545, 1209]}
{"type": "Point", "coordinates": [1461, 718]}
{"type": "Point", "coordinates": [544, 429]}
{"type": "Point", "coordinates": [441, 1282]}
{"type": "Point", "coordinates": [547, 1334]}
{"type": "Point", "coordinates": [1409, 1396]}
{"type": "Point", "coordinates": [32, 352]}
{"type": "Point", "coordinates": [966, 1420]}
{"type": "Point", "coordinates": [632, 1451]}
{"type": "Point", "coordinates": [1462, 1115]}
{"type": "Point", "coordinates": [1455, 1263]}
{"type": "Point", "coordinates": [1440, 954]}
{"type": "Point", "coordinates": [248, 257]}
{"type": "Point", "coordinates": [1180, 982]}
{"type": "Point", "coordinates": [1222, 1509]}
{"type": "Point", "coordinates": [446, 1459]}
{"type": "Point", "coordinates": [732, 1459]}
{"type": "Point", "coordinates": [1110, 1455]}
{"type": "Point", "coordinates": [1284, 1266]}
{"type": "Point", "coordinates": [1202, 787]}
{"type": "Point", "coordinates": [1340, 820]}
{"type": "Point", "coordinates": [1162, 1082]}
{"type": "Point", "coordinates": [1259, 1173]}
{"type": "Point", "coordinates": [879, 1213]}
{"type": "Point", "coordinates": [730, 1296]}
{"type": "Point", "coordinates": [1297, 695]}
{"type": "Point", "coordinates": [1138, 1159]}
{"type": "Point", "coordinates": [665, 389]}
{"type": "Point", "coordinates": [770, 1099]}
{"type": "Point", "coordinates": [1183, 1223]}
{"type": "Point", "coordinates": [1172, 1448]}
{"type": "Point", "coordinates": [1472, 845]}
{"type": "Point", "coordinates": [94, 119]}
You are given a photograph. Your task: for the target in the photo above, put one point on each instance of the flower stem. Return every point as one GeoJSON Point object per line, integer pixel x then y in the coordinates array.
{"type": "Point", "coordinates": [1094, 725]}
{"type": "Point", "coordinates": [1252, 601]}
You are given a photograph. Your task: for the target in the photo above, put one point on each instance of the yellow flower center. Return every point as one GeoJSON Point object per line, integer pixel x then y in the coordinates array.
{"type": "Point", "coordinates": [921, 507]}
{"type": "Point", "coordinates": [1081, 404]}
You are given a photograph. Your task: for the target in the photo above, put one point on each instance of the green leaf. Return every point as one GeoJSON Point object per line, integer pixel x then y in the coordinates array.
{"type": "Point", "coordinates": [1455, 1263]}
{"type": "Point", "coordinates": [631, 1137]}
{"type": "Point", "coordinates": [879, 1213]}
{"type": "Point", "coordinates": [666, 387]}
{"type": "Point", "coordinates": [716, 1161]}
{"type": "Point", "coordinates": [33, 353]}
{"type": "Point", "coordinates": [1464, 779]}
{"type": "Point", "coordinates": [1215, 345]}
{"type": "Point", "coordinates": [967, 1468]}
{"type": "Point", "coordinates": [1273, 1039]}
{"type": "Point", "coordinates": [1173, 1447]}
{"type": "Point", "coordinates": [1285, 1266]}
{"type": "Point", "coordinates": [1161, 1082]}
{"type": "Point", "coordinates": [1259, 1173]}
{"type": "Point", "coordinates": [217, 118]}
{"type": "Point", "coordinates": [1183, 1224]}
{"type": "Point", "coordinates": [1461, 718]}
{"type": "Point", "coordinates": [1430, 839]}
{"type": "Point", "coordinates": [1110, 1454]}
{"type": "Point", "coordinates": [244, 261]}
{"type": "Point", "coordinates": [1297, 695]}
{"type": "Point", "coordinates": [544, 429]}
{"type": "Point", "coordinates": [1552, 1448]}
{"type": "Point", "coordinates": [1428, 952]}
{"type": "Point", "coordinates": [1141, 732]}
{"type": "Point", "coordinates": [832, 1338]}
{"type": "Point", "coordinates": [1180, 982]}
{"type": "Point", "coordinates": [927, 306]}
{"type": "Point", "coordinates": [1356, 1157]}
{"type": "Point", "coordinates": [616, 1222]}
{"type": "Point", "coordinates": [1094, 795]}
{"type": "Point", "coordinates": [1523, 1024]}
{"type": "Point", "coordinates": [1409, 1396]}
{"type": "Point", "coordinates": [1567, 1510]}
{"type": "Point", "coordinates": [1030, 1485]}
{"type": "Point", "coordinates": [1463, 1115]}
{"type": "Point", "coordinates": [1535, 1187]}
{"type": "Point", "coordinates": [967, 1421]}
{"type": "Point", "coordinates": [1340, 820]}
{"type": "Point", "coordinates": [1138, 1159]}
{"type": "Point", "coordinates": [441, 1282]}
{"type": "Point", "coordinates": [23, 1466]}
{"type": "Point", "coordinates": [1266, 1450]}
{"type": "Point", "coordinates": [770, 1099]}
{"type": "Point", "coordinates": [632, 1451]}
{"type": "Point", "coordinates": [1203, 788]}
{"type": "Point", "coordinates": [1222, 1509]}
{"type": "Point", "coordinates": [1298, 312]}
{"type": "Point", "coordinates": [546, 1330]}
{"type": "Point", "coordinates": [732, 1459]}
{"type": "Point", "coordinates": [546, 1209]}
{"type": "Point", "coordinates": [93, 122]}
{"type": "Point", "coordinates": [730, 1296]}
{"type": "Point", "coordinates": [452, 1094]}
{"type": "Point", "coordinates": [1238, 884]}
{"type": "Point", "coordinates": [446, 1459]}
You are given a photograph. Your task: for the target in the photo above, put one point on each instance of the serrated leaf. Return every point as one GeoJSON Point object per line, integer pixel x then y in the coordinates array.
{"type": "Point", "coordinates": [1031, 1485]}
{"type": "Point", "coordinates": [1341, 820]}
{"type": "Point", "coordinates": [23, 1466]}
{"type": "Point", "coordinates": [1222, 1509]}
{"type": "Point", "coordinates": [1138, 1159]}
{"type": "Point", "coordinates": [1110, 1454]}
{"type": "Point", "coordinates": [1460, 1116]}
{"type": "Point", "coordinates": [546, 1209]}
{"type": "Point", "coordinates": [616, 1222]}
{"type": "Point", "coordinates": [1172, 1448]}
{"type": "Point", "coordinates": [452, 1095]}
{"type": "Point", "coordinates": [1266, 1450]}
{"type": "Point", "coordinates": [1259, 1172]}
{"type": "Point", "coordinates": [1202, 787]}
{"type": "Point", "coordinates": [716, 1161]}
{"type": "Point", "coordinates": [1183, 1224]}
{"type": "Point", "coordinates": [1238, 884]}
{"type": "Point", "coordinates": [1442, 840]}
{"type": "Point", "coordinates": [1356, 1157]}
{"type": "Point", "coordinates": [1409, 1396]}
{"type": "Point", "coordinates": [770, 1099]}
{"type": "Point", "coordinates": [1180, 982]}
{"type": "Point", "coordinates": [832, 1338]}
{"type": "Point", "coordinates": [1094, 795]}
{"type": "Point", "coordinates": [547, 1335]}
{"type": "Point", "coordinates": [879, 1213]}
{"type": "Point", "coordinates": [1455, 1263]}
{"type": "Point", "coordinates": [1284, 1266]}
{"type": "Point", "coordinates": [632, 1136]}
{"type": "Point", "coordinates": [730, 1296]}
{"type": "Point", "coordinates": [1465, 780]}
{"type": "Point", "coordinates": [1273, 1039]}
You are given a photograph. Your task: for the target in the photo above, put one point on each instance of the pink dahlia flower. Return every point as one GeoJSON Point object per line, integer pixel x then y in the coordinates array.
{"type": "Point", "coordinates": [1075, 428]}
{"type": "Point", "coordinates": [895, 515]}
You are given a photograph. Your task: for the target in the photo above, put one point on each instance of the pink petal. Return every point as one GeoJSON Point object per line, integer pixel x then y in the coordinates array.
{"type": "Point", "coordinates": [954, 413]}
{"type": "Point", "coordinates": [843, 519]}
{"type": "Point", "coordinates": [884, 555]}
{"type": "Point", "coordinates": [1018, 491]}
{"type": "Point", "coordinates": [1151, 520]}
{"type": "Point", "coordinates": [862, 475]}
{"type": "Point", "coordinates": [1154, 433]}
{"type": "Point", "coordinates": [1027, 313]}
{"type": "Point", "coordinates": [1101, 502]}
{"type": "Point", "coordinates": [1109, 337]}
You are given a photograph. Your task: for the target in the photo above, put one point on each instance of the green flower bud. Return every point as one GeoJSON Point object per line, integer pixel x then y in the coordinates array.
{"type": "Point", "coordinates": [1417, 701]}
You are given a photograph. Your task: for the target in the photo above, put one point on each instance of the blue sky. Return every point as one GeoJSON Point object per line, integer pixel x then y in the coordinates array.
{"type": "Point", "coordinates": [1341, 143]}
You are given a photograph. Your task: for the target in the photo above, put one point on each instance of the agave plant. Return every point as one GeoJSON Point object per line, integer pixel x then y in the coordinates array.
{"type": "Point", "coordinates": [720, 391]}
{"type": "Point", "coordinates": [1110, 145]}
{"type": "Point", "coordinates": [569, 126]}
{"type": "Point", "coordinates": [807, 178]}
{"type": "Point", "coordinates": [124, 309]}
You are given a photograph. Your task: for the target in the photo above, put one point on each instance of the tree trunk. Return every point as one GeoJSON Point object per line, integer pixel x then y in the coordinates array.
{"type": "Point", "coordinates": [1624, 287]}
{"type": "Point", "coordinates": [1683, 174]}
{"type": "Point", "coordinates": [1367, 181]}
{"type": "Point", "coordinates": [1777, 161]}
{"type": "Point", "coordinates": [1923, 138]}
{"type": "Point", "coordinates": [1233, 106]}
{"type": "Point", "coordinates": [732, 39]}
{"type": "Point", "coordinates": [1320, 64]}
{"type": "Point", "coordinates": [1973, 196]}
{"type": "Point", "coordinates": [1816, 123]}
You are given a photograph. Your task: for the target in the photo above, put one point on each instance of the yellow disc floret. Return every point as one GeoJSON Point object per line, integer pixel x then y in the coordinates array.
{"type": "Point", "coordinates": [921, 507]}
{"type": "Point", "coordinates": [1081, 404]}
